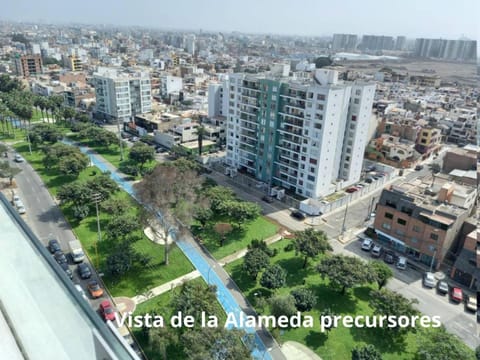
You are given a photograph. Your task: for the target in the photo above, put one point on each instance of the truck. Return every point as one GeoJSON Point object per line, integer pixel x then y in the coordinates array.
{"type": "Point", "coordinates": [76, 250]}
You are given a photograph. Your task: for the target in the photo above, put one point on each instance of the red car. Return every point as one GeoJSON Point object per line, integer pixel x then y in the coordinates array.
{"type": "Point", "coordinates": [351, 189]}
{"type": "Point", "coordinates": [107, 311]}
{"type": "Point", "coordinates": [457, 295]}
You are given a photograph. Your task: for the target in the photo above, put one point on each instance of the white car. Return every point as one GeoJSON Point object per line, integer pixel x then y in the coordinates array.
{"type": "Point", "coordinates": [429, 280]}
{"type": "Point", "coordinates": [18, 158]}
{"type": "Point", "coordinates": [367, 244]}
{"type": "Point", "coordinates": [21, 209]}
{"type": "Point", "coordinates": [401, 263]}
{"type": "Point", "coordinates": [16, 200]}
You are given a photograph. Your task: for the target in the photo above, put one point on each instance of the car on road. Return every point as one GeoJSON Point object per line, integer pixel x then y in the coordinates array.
{"type": "Point", "coordinates": [297, 215]}
{"type": "Point", "coordinates": [60, 257]}
{"type": "Point", "coordinates": [94, 289]}
{"type": "Point", "coordinates": [106, 310]}
{"type": "Point", "coordinates": [67, 270]}
{"type": "Point", "coordinates": [84, 271]}
{"type": "Point", "coordinates": [54, 246]}
{"type": "Point", "coordinates": [471, 303]}
{"type": "Point", "coordinates": [16, 200]}
{"type": "Point", "coordinates": [442, 287]}
{"type": "Point", "coordinates": [21, 209]}
{"type": "Point", "coordinates": [80, 290]}
{"type": "Point", "coordinates": [18, 158]}
{"type": "Point", "coordinates": [389, 257]}
{"type": "Point", "coordinates": [351, 189]}
{"type": "Point", "coordinates": [401, 263]}
{"type": "Point", "coordinates": [377, 251]}
{"type": "Point", "coordinates": [267, 199]}
{"type": "Point", "coordinates": [429, 280]}
{"type": "Point", "coordinates": [456, 294]}
{"type": "Point", "coordinates": [418, 167]}
{"type": "Point", "coordinates": [367, 244]}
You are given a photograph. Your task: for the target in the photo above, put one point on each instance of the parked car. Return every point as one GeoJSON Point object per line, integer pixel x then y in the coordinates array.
{"type": "Point", "coordinates": [267, 199]}
{"type": "Point", "coordinates": [84, 271]}
{"type": "Point", "coordinates": [369, 180]}
{"type": "Point", "coordinates": [367, 244]}
{"type": "Point", "coordinates": [54, 246]}
{"type": "Point", "coordinates": [401, 263]}
{"type": "Point", "coordinates": [67, 270]}
{"type": "Point", "coordinates": [377, 251]}
{"type": "Point", "coordinates": [106, 310]}
{"type": "Point", "coordinates": [60, 257]}
{"type": "Point", "coordinates": [389, 257]}
{"type": "Point", "coordinates": [351, 189]}
{"type": "Point", "coordinates": [16, 200]}
{"type": "Point", "coordinates": [18, 158]}
{"type": "Point", "coordinates": [442, 287]}
{"type": "Point", "coordinates": [297, 215]}
{"type": "Point", "coordinates": [418, 167]}
{"type": "Point", "coordinates": [456, 294]}
{"type": "Point", "coordinates": [21, 209]}
{"type": "Point", "coordinates": [94, 289]}
{"type": "Point", "coordinates": [471, 303]}
{"type": "Point", "coordinates": [429, 280]}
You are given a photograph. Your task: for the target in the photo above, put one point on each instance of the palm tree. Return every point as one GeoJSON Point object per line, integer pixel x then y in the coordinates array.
{"type": "Point", "coordinates": [200, 131]}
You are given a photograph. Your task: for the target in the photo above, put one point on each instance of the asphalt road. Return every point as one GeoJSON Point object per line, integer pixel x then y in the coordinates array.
{"type": "Point", "coordinates": [46, 220]}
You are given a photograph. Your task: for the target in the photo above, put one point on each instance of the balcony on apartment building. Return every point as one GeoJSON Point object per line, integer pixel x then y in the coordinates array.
{"type": "Point", "coordinates": [288, 137]}
{"type": "Point", "coordinates": [288, 146]}
{"type": "Point", "coordinates": [250, 85]}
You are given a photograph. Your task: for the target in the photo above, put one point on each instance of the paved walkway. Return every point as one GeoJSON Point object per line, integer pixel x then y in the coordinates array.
{"type": "Point", "coordinates": [296, 351]}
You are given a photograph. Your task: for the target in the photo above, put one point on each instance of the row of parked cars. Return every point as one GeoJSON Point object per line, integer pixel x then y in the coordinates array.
{"type": "Point", "coordinates": [18, 203]}
{"type": "Point", "coordinates": [389, 256]}
{"type": "Point", "coordinates": [85, 273]}
{"type": "Point", "coordinates": [456, 294]}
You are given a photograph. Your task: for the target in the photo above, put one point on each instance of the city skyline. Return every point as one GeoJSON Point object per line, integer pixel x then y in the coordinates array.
{"type": "Point", "coordinates": [306, 17]}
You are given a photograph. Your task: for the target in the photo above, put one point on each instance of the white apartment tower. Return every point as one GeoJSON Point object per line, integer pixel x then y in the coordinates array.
{"type": "Point", "coordinates": [121, 96]}
{"type": "Point", "coordinates": [306, 136]}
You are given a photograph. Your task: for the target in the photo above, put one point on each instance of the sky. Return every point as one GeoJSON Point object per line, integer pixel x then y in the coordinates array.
{"type": "Point", "coordinates": [450, 19]}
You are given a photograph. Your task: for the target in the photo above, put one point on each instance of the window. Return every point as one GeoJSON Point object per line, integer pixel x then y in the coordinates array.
{"type": "Point", "coordinates": [311, 178]}
{"type": "Point", "coordinates": [358, 92]}
{"type": "Point", "coordinates": [434, 236]}
{"type": "Point", "coordinates": [356, 101]}
{"type": "Point", "coordinates": [313, 161]}
{"type": "Point", "coordinates": [417, 228]}
{"type": "Point", "coordinates": [400, 232]}
{"type": "Point", "coordinates": [320, 97]}
{"type": "Point", "coordinates": [319, 107]}
{"type": "Point", "coordinates": [318, 126]}
{"type": "Point", "coordinates": [354, 117]}
{"type": "Point", "coordinates": [401, 222]}
{"type": "Point", "coordinates": [386, 226]}
{"type": "Point", "coordinates": [388, 215]}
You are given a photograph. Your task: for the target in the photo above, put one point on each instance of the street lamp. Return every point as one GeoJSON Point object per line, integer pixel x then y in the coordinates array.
{"type": "Point", "coordinates": [96, 198]}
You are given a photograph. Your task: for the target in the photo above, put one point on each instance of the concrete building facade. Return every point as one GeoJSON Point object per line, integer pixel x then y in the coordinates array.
{"type": "Point", "coordinates": [306, 136]}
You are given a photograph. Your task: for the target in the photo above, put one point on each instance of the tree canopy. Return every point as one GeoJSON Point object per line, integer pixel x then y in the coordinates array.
{"type": "Point", "coordinates": [273, 277]}
{"type": "Point", "coordinates": [311, 243]}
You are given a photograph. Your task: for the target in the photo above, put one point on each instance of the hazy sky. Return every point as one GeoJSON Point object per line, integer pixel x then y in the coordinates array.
{"type": "Point", "coordinates": [413, 18]}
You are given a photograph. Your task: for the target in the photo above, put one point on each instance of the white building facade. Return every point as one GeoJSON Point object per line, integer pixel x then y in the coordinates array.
{"type": "Point", "coordinates": [308, 137]}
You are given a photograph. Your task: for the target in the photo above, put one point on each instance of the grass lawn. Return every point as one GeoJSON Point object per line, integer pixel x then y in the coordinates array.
{"type": "Point", "coordinates": [138, 280]}
{"type": "Point", "coordinates": [340, 341]}
{"type": "Point", "coordinates": [259, 228]}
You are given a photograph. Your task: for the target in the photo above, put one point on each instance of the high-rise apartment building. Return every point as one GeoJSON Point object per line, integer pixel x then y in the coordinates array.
{"type": "Point", "coordinates": [121, 95]}
{"type": "Point", "coordinates": [28, 65]}
{"type": "Point", "coordinates": [464, 50]}
{"type": "Point", "coordinates": [346, 42]}
{"type": "Point", "coordinates": [307, 136]}
{"type": "Point", "coordinates": [376, 42]}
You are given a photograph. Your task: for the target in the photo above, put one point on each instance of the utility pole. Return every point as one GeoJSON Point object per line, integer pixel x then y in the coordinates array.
{"type": "Point", "coordinates": [96, 198]}
{"type": "Point", "coordinates": [344, 220]}
{"type": "Point", "coordinates": [370, 208]}
{"type": "Point", "coordinates": [120, 139]}
{"type": "Point", "coordinates": [433, 259]}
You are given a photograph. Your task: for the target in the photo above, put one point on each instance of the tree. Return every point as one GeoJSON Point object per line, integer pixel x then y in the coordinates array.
{"type": "Point", "coordinates": [200, 131]}
{"type": "Point", "coordinates": [243, 211]}
{"type": "Point", "coordinates": [380, 272]}
{"type": "Point", "coordinates": [141, 153]}
{"type": "Point", "coordinates": [305, 299]}
{"type": "Point", "coordinates": [261, 245]}
{"type": "Point", "coordinates": [282, 305]}
{"type": "Point", "coordinates": [68, 113]}
{"type": "Point", "coordinates": [203, 214]}
{"type": "Point", "coordinates": [222, 229]}
{"type": "Point", "coordinates": [366, 352]}
{"type": "Point", "coordinates": [7, 171]}
{"type": "Point", "coordinates": [389, 303]}
{"type": "Point", "coordinates": [274, 277]}
{"type": "Point", "coordinates": [41, 133]}
{"type": "Point", "coordinates": [327, 313]}
{"type": "Point", "coordinates": [120, 261]}
{"type": "Point", "coordinates": [214, 343]}
{"type": "Point", "coordinates": [219, 195]}
{"type": "Point", "coordinates": [310, 243]}
{"type": "Point", "coordinates": [170, 195]}
{"type": "Point", "coordinates": [115, 206]}
{"type": "Point", "coordinates": [440, 345]}
{"type": "Point", "coordinates": [322, 62]}
{"type": "Point", "coordinates": [477, 352]}
{"type": "Point", "coordinates": [343, 271]}
{"type": "Point", "coordinates": [161, 338]}
{"type": "Point", "coordinates": [121, 227]}
{"type": "Point", "coordinates": [105, 138]}
{"type": "Point", "coordinates": [255, 261]}
{"type": "Point", "coordinates": [73, 164]}
{"type": "Point", "coordinates": [194, 298]}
